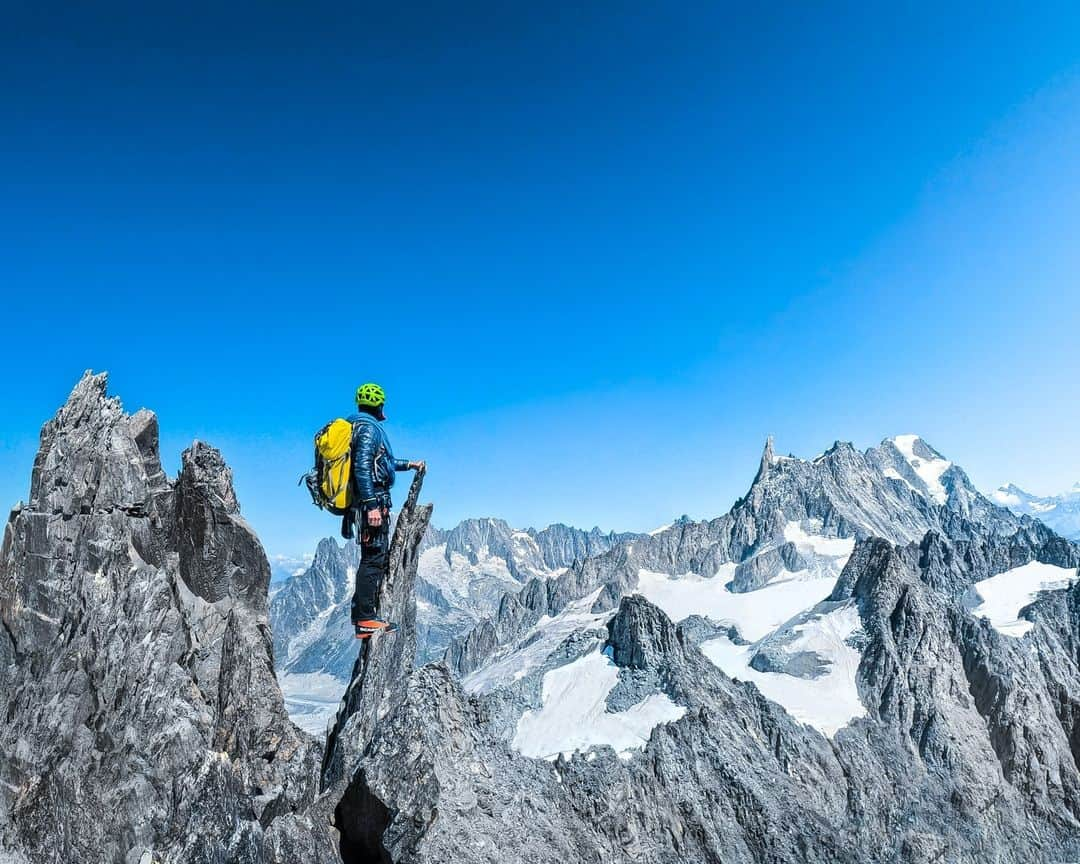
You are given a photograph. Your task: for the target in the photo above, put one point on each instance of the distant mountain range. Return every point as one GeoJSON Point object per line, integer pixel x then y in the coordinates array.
{"type": "Point", "coordinates": [760, 570]}
{"type": "Point", "coordinates": [1060, 512]}
{"type": "Point", "coordinates": [468, 573]}
{"type": "Point", "coordinates": [464, 573]}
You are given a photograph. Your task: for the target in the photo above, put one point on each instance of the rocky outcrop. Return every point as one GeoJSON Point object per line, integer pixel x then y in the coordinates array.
{"type": "Point", "coordinates": [958, 713]}
{"type": "Point", "coordinates": [378, 688]}
{"type": "Point", "coordinates": [143, 722]}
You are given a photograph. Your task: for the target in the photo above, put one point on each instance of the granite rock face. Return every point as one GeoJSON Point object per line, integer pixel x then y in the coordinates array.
{"type": "Point", "coordinates": [142, 718]}
{"type": "Point", "coordinates": [378, 685]}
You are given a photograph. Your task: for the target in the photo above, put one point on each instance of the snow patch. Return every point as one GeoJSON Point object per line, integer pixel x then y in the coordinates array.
{"type": "Point", "coordinates": [532, 649]}
{"type": "Point", "coordinates": [755, 613]}
{"type": "Point", "coordinates": [828, 702]}
{"type": "Point", "coordinates": [574, 716]}
{"type": "Point", "coordinates": [893, 474]}
{"type": "Point", "coordinates": [1005, 595]}
{"type": "Point", "coordinates": [459, 579]}
{"type": "Point", "coordinates": [1006, 498]}
{"type": "Point", "coordinates": [823, 547]}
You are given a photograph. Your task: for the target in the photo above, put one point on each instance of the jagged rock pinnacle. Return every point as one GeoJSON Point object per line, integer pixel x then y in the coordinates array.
{"type": "Point", "coordinates": [768, 459]}
{"type": "Point", "coordinates": [142, 718]}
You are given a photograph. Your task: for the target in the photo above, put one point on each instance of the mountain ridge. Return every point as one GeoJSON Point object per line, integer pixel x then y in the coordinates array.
{"type": "Point", "coordinates": [1059, 512]}
{"type": "Point", "coordinates": [463, 571]}
{"type": "Point", "coordinates": [850, 493]}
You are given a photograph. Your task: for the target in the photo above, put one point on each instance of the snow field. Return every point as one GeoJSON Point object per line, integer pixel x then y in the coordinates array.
{"type": "Point", "coordinates": [755, 613]}
{"type": "Point", "coordinates": [1005, 595]}
{"type": "Point", "coordinates": [574, 716]}
{"type": "Point", "coordinates": [828, 702]}
{"type": "Point", "coordinates": [534, 647]}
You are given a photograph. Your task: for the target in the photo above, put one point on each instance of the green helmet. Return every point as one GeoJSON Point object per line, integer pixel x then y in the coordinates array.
{"type": "Point", "coordinates": [370, 396]}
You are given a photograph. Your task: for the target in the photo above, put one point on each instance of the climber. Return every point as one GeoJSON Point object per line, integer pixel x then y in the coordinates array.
{"type": "Point", "coordinates": [373, 471]}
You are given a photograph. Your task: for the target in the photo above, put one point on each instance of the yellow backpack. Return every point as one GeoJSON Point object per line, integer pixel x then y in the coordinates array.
{"type": "Point", "coordinates": [329, 482]}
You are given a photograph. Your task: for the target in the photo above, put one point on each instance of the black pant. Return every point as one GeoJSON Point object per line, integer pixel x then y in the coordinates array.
{"type": "Point", "coordinates": [374, 546]}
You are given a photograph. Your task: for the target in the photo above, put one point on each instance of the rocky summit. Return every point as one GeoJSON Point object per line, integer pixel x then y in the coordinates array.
{"type": "Point", "coordinates": [864, 660]}
{"type": "Point", "coordinates": [142, 719]}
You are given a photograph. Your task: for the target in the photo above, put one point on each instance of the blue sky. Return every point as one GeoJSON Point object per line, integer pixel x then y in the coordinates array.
{"type": "Point", "coordinates": [594, 255]}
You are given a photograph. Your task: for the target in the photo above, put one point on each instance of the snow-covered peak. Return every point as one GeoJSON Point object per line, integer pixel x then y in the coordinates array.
{"type": "Point", "coordinates": [1060, 512]}
{"type": "Point", "coordinates": [882, 491]}
{"type": "Point", "coordinates": [1004, 596]}
{"type": "Point", "coordinates": [905, 458]}
{"type": "Point", "coordinates": [1008, 495]}
{"type": "Point", "coordinates": [927, 463]}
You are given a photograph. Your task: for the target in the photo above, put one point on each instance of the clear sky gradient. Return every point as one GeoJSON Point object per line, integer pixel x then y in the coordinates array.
{"type": "Point", "coordinates": [594, 252]}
